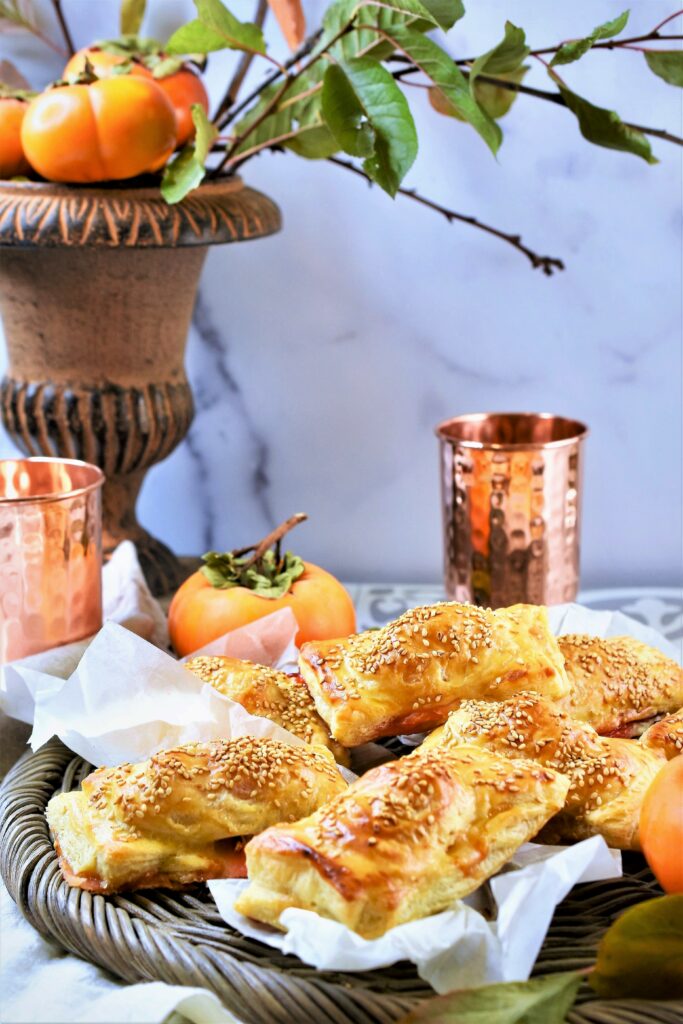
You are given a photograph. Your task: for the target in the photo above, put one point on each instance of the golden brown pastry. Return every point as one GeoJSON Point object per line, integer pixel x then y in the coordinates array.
{"type": "Point", "coordinates": [608, 776]}
{"type": "Point", "coordinates": [183, 816]}
{"type": "Point", "coordinates": [407, 676]}
{"type": "Point", "coordinates": [271, 694]}
{"type": "Point", "coordinates": [404, 841]}
{"type": "Point", "coordinates": [665, 736]}
{"type": "Point", "coordinates": [618, 684]}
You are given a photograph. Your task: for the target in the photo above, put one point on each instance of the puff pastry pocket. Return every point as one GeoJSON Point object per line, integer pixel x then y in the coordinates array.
{"type": "Point", "coordinates": [665, 736]}
{"type": "Point", "coordinates": [619, 684]}
{"type": "Point", "coordinates": [404, 841]}
{"type": "Point", "coordinates": [608, 777]}
{"type": "Point", "coordinates": [183, 816]}
{"type": "Point", "coordinates": [407, 676]}
{"type": "Point", "coordinates": [271, 694]}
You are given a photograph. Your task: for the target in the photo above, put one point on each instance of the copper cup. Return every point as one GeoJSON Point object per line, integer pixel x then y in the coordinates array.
{"type": "Point", "coordinates": [50, 554]}
{"type": "Point", "coordinates": [511, 497]}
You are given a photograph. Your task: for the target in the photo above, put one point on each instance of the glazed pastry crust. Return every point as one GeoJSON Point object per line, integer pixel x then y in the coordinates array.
{"type": "Point", "coordinates": [271, 694]}
{"type": "Point", "coordinates": [665, 736]}
{"type": "Point", "coordinates": [618, 683]}
{"type": "Point", "coordinates": [174, 819]}
{"type": "Point", "coordinates": [406, 677]}
{"type": "Point", "coordinates": [608, 776]}
{"type": "Point", "coordinates": [404, 841]}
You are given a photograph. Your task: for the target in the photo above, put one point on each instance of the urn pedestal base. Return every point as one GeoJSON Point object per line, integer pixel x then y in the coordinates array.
{"type": "Point", "coordinates": [97, 287]}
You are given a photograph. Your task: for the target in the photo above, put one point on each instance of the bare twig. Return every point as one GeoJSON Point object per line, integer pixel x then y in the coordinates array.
{"type": "Point", "coordinates": [57, 4]}
{"type": "Point", "coordinates": [548, 264]}
{"type": "Point", "coordinates": [242, 67]}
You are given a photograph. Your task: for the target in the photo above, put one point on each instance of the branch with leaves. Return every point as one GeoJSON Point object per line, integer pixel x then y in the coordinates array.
{"type": "Point", "coordinates": [344, 89]}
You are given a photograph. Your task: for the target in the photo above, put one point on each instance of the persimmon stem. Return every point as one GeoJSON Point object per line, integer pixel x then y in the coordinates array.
{"type": "Point", "coordinates": [273, 538]}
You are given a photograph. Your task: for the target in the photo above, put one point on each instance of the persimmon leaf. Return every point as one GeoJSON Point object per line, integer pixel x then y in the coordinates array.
{"type": "Point", "coordinates": [206, 133]}
{"type": "Point", "coordinates": [668, 64]}
{"type": "Point", "coordinates": [130, 17]}
{"type": "Point", "coordinates": [503, 58]}
{"type": "Point", "coordinates": [604, 127]}
{"type": "Point", "coordinates": [576, 48]}
{"type": "Point", "coordinates": [367, 112]}
{"type": "Point", "coordinates": [494, 100]}
{"type": "Point", "coordinates": [181, 176]}
{"type": "Point", "coordinates": [641, 954]}
{"type": "Point", "coordinates": [215, 28]}
{"type": "Point", "coordinates": [195, 37]}
{"type": "Point", "coordinates": [289, 15]}
{"type": "Point", "coordinates": [543, 1000]}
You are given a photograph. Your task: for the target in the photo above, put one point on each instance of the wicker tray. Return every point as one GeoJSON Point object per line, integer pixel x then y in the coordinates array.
{"type": "Point", "coordinates": [179, 937]}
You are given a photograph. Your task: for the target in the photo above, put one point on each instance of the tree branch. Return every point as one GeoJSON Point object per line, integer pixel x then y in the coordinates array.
{"type": "Point", "coordinates": [57, 4]}
{"type": "Point", "coordinates": [548, 264]}
{"type": "Point", "coordinates": [242, 67]}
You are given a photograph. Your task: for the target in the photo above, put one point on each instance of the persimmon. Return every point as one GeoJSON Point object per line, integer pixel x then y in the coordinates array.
{"type": "Point", "coordinates": [12, 158]}
{"type": "Point", "coordinates": [182, 86]}
{"type": "Point", "coordinates": [661, 826]}
{"type": "Point", "coordinates": [105, 130]}
{"type": "Point", "coordinates": [236, 588]}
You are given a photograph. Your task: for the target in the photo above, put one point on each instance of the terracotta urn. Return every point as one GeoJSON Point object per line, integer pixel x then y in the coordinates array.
{"type": "Point", "coordinates": [97, 287]}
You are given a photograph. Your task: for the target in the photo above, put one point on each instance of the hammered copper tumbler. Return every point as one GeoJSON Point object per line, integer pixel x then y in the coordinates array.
{"type": "Point", "coordinates": [511, 495]}
{"type": "Point", "coordinates": [50, 554]}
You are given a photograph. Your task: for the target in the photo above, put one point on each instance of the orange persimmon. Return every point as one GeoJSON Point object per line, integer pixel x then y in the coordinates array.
{"type": "Point", "coordinates": [661, 826]}
{"type": "Point", "coordinates": [105, 130]}
{"type": "Point", "coordinates": [182, 87]}
{"type": "Point", "coordinates": [12, 158]}
{"type": "Point", "coordinates": [232, 590]}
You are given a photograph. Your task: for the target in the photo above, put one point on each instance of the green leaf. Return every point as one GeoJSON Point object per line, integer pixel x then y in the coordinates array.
{"type": "Point", "coordinates": [313, 142]}
{"type": "Point", "coordinates": [571, 51]}
{"type": "Point", "coordinates": [668, 64]}
{"type": "Point", "coordinates": [345, 114]}
{"type": "Point", "coordinates": [181, 176]}
{"type": "Point", "coordinates": [446, 12]}
{"type": "Point", "coordinates": [495, 100]}
{"type": "Point", "coordinates": [216, 28]}
{"type": "Point", "coordinates": [503, 58]}
{"type": "Point", "coordinates": [206, 133]}
{"type": "Point", "coordinates": [370, 96]}
{"type": "Point", "coordinates": [269, 577]}
{"type": "Point", "coordinates": [131, 15]}
{"type": "Point", "coordinates": [641, 954]}
{"type": "Point", "coordinates": [167, 66]}
{"type": "Point", "coordinates": [195, 37]}
{"type": "Point", "coordinates": [273, 127]}
{"type": "Point", "coordinates": [543, 1000]}
{"type": "Point", "coordinates": [440, 69]}
{"type": "Point", "coordinates": [604, 127]}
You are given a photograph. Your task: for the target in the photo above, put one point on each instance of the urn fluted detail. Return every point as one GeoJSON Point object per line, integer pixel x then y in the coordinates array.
{"type": "Point", "coordinates": [97, 288]}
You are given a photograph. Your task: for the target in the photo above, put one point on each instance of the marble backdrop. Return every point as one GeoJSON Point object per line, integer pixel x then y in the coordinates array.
{"type": "Point", "coordinates": [322, 358]}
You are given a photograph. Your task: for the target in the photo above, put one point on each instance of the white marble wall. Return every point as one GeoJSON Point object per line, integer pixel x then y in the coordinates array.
{"type": "Point", "coordinates": [322, 358]}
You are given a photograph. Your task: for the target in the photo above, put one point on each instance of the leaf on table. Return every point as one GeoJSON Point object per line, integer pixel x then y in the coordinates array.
{"type": "Point", "coordinates": [130, 16]}
{"type": "Point", "coordinates": [369, 116]}
{"type": "Point", "coordinates": [440, 69]}
{"type": "Point", "coordinates": [576, 48]}
{"type": "Point", "coordinates": [641, 954]}
{"type": "Point", "coordinates": [181, 176]}
{"type": "Point", "coordinates": [503, 58]}
{"type": "Point", "coordinates": [543, 1000]}
{"type": "Point", "coordinates": [289, 15]}
{"type": "Point", "coordinates": [604, 127]}
{"type": "Point", "coordinates": [668, 64]}
{"type": "Point", "coordinates": [495, 100]}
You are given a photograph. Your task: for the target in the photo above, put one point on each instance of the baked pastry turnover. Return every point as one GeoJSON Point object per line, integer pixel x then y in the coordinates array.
{"type": "Point", "coordinates": [665, 736]}
{"type": "Point", "coordinates": [404, 841]}
{"type": "Point", "coordinates": [618, 684]}
{"type": "Point", "coordinates": [271, 694]}
{"type": "Point", "coordinates": [407, 676]}
{"type": "Point", "coordinates": [608, 776]}
{"type": "Point", "coordinates": [183, 816]}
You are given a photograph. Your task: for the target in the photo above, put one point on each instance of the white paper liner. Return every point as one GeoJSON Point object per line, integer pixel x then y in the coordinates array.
{"type": "Point", "coordinates": [458, 948]}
